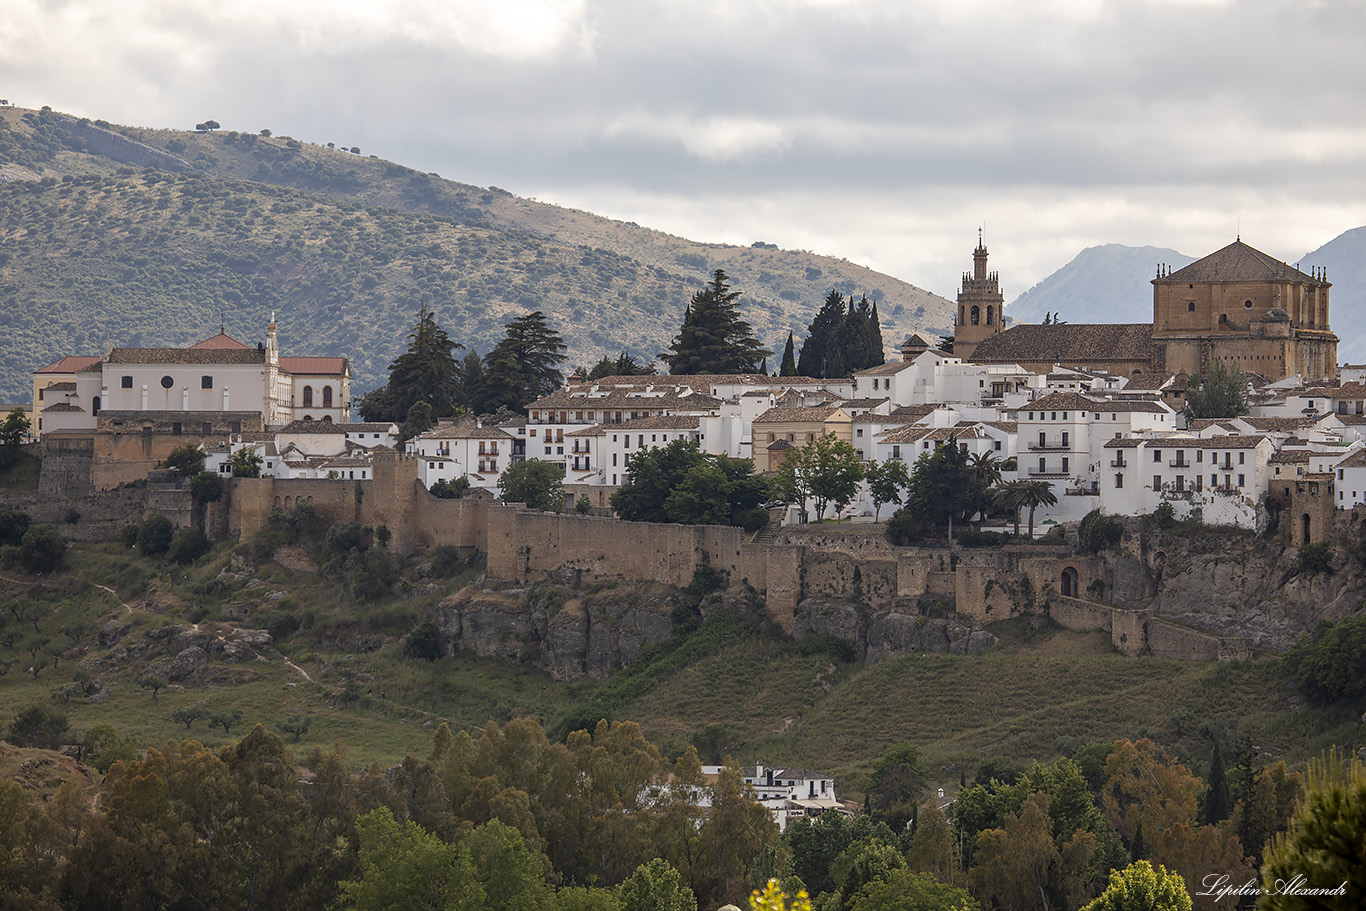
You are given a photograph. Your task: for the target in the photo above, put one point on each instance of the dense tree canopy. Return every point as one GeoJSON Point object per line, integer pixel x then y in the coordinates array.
{"type": "Point", "coordinates": [840, 342]}
{"type": "Point", "coordinates": [1220, 393]}
{"type": "Point", "coordinates": [425, 372]}
{"type": "Point", "coordinates": [680, 483]}
{"type": "Point", "coordinates": [713, 338]}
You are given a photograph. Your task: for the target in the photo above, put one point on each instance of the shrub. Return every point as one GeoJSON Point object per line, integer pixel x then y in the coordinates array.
{"type": "Point", "coordinates": [348, 536]}
{"type": "Point", "coordinates": [751, 520]}
{"type": "Point", "coordinates": [971, 537]}
{"type": "Point", "coordinates": [206, 487]}
{"type": "Point", "coordinates": [1098, 531]}
{"type": "Point", "coordinates": [13, 526]}
{"type": "Point", "coordinates": [1312, 559]}
{"type": "Point", "coordinates": [450, 490]}
{"type": "Point", "coordinates": [128, 535]}
{"type": "Point", "coordinates": [38, 726]}
{"type": "Point", "coordinates": [831, 647]}
{"type": "Point", "coordinates": [583, 506]}
{"type": "Point", "coordinates": [370, 573]}
{"type": "Point", "coordinates": [423, 642]}
{"type": "Point", "coordinates": [1164, 515]}
{"type": "Point", "coordinates": [41, 550]}
{"type": "Point", "coordinates": [155, 535]}
{"type": "Point", "coordinates": [904, 528]}
{"type": "Point", "coordinates": [188, 546]}
{"type": "Point", "coordinates": [1328, 663]}
{"type": "Point", "coordinates": [71, 516]}
{"type": "Point", "coordinates": [188, 460]}
{"type": "Point", "coordinates": [446, 561]}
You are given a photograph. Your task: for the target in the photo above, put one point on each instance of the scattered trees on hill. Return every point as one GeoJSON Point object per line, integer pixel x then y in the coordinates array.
{"type": "Point", "coordinates": [622, 365]}
{"type": "Point", "coordinates": [713, 338]}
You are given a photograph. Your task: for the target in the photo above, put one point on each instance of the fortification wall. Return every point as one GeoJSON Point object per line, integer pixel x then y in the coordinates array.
{"type": "Point", "coordinates": [1080, 616]}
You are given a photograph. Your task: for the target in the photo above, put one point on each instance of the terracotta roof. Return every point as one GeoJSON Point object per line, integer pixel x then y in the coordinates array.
{"type": "Point", "coordinates": [799, 415]}
{"type": "Point", "coordinates": [311, 427]}
{"type": "Point", "coordinates": [1205, 423]}
{"type": "Point", "coordinates": [1348, 391]}
{"type": "Point", "coordinates": [1291, 456]}
{"type": "Point", "coordinates": [63, 406]}
{"type": "Point", "coordinates": [221, 341]}
{"type": "Point", "coordinates": [314, 366]}
{"type": "Point", "coordinates": [862, 403]}
{"type": "Point", "coordinates": [1074, 401]}
{"type": "Point", "coordinates": [781, 444]}
{"type": "Point", "coordinates": [1351, 418]}
{"type": "Point", "coordinates": [904, 434]}
{"type": "Point", "coordinates": [186, 356]}
{"type": "Point", "coordinates": [72, 363]}
{"type": "Point", "coordinates": [1147, 382]}
{"type": "Point", "coordinates": [916, 341]}
{"type": "Point", "coordinates": [64, 386]}
{"type": "Point", "coordinates": [465, 428]}
{"type": "Point", "coordinates": [577, 398]}
{"type": "Point", "coordinates": [1277, 424]}
{"type": "Point", "coordinates": [372, 427]}
{"type": "Point", "coordinates": [1007, 426]}
{"type": "Point", "coordinates": [1127, 443]}
{"type": "Point", "coordinates": [1237, 263]}
{"type": "Point", "coordinates": [891, 367]}
{"type": "Point", "coordinates": [1089, 343]}
{"type": "Point", "coordinates": [1355, 460]}
{"type": "Point", "coordinates": [1228, 442]}
{"type": "Point", "coordinates": [659, 422]}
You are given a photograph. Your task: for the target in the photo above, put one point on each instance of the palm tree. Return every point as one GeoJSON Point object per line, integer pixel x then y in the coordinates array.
{"type": "Point", "coordinates": [1036, 494]}
{"type": "Point", "coordinates": [987, 474]}
{"type": "Point", "coordinates": [1029, 495]}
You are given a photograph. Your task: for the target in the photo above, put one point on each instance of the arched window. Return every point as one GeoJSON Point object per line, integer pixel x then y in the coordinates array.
{"type": "Point", "coordinates": [1190, 306]}
{"type": "Point", "coordinates": [94, 405]}
{"type": "Point", "coordinates": [308, 396]}
{"type": "Point", "coordinates": [1307, 537]}
{"type": "Point", "coordinates": [988, 315]}
{"type": "Point", "coordinates": [975, 315]}
{"type": "Point", "coordinates": [327, 419]}
{"type": "Point", "coordinates": [327, 396]}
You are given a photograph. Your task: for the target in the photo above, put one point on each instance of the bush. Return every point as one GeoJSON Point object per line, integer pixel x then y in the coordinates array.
{"type": "Point", "coordinates": [751, 520]}
{"type": "Point", "coordinates": [832, 647]}
{"type": "Point", "coordinates": [1098, 531]}
{"type": "Point", "coordinates": [450, 490]}
{"type": "Point", "coordinates": [370, 573]}
{"type": "Point", "coordinates": [206, 487]}
{"type": "Point", "coordinates": [71, 516]}
{"type": "Point", "coordinates": [1330, 663]}
{"type": "Point", "coordinates": [423, 642]}
{"type": "Point", "coordinates": [344, 538]}
{"type": "Point", "coordinates": [1313, 559]}
{"type": "Point", "coordinates": [446, 561]}
{"type": "Point", "coordinates": [38, 726]}
{"type": "Point", "coordinates": [188, 460]}
{"type": "Point", "coordinates": [155, 535]}
{"type": "Point", "coordinates": [128, 535]}
{"type": "Point", "coordinates": [904, 529]}
{"type": "Point", "coordinates": [1164, 515]}
{"type": "Point", "coordinates": [971, 537]}
{"type": "Point", "coordinates": [188, 546]}
{"type": "Point", "coordinates": [41, 550]}
{"type": "Point", "coordinates": [13, 526]}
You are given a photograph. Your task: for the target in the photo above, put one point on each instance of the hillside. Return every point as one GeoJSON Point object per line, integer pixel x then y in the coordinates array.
{"type": "Point", "coordinates": [130, 236]}
{"type": "Point", "coordinates": [1345, 259]}
{"type": "Point", "coordinates": [1105, 284]}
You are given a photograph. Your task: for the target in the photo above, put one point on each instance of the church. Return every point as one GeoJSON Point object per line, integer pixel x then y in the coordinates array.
{"type": "Point", "coordinates": [1238, 305]}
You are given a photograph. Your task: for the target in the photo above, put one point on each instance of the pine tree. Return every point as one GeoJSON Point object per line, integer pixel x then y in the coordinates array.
{"type": "Point", "coordinates": [525, 364]}
{"type": "Point", "coordinates": [713, 337]}
{"type": "Point", "coordinates": [426, 372]}
{"type": "Point", "coordinates": [789, 365]}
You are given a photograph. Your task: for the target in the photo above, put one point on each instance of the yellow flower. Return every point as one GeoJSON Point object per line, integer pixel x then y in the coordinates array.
{"type": "Point", "coordinates": [774, 899]}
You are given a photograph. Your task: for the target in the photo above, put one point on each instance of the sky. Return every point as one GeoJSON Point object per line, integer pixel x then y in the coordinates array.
{"type": "Point", "coordinates": [882, 131]}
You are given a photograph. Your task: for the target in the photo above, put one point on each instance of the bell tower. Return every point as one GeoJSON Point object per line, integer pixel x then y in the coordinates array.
{"type": "Point", "coordinates": [981, 305]}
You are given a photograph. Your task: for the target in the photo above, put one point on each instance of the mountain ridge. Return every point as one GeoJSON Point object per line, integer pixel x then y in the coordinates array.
{"type": "Point", "coordinates": [100, 250]}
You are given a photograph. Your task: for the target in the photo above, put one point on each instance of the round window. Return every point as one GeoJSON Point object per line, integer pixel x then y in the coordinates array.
{"type": "Point", "coordinates": [167, 382]}
{"type": "Point", "coordinates": [1247, 304]}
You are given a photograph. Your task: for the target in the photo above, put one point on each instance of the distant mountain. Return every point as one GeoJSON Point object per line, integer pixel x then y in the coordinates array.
{"type": "Point", "coordinates": [1107, 284]}
{"type": "Point", "coordinates": [1345, 259]}
{"type": "Point", "coordinates": [143, 237]}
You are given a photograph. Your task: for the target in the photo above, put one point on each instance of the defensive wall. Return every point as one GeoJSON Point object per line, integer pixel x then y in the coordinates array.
{"type": "Point", "coordinates": [524, 545]}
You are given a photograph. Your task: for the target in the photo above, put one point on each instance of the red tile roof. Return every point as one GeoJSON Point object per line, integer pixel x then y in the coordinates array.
{"type": "Point", "coordinates": [220, 341]}
{"type": "Point", "coordinates": [314, 366]}
{"type": "Point", "coordinates": [69, 364]}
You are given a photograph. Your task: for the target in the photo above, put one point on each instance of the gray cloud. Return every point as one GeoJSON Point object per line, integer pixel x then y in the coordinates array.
{"type": "Point", "coordinates": [883, 132]}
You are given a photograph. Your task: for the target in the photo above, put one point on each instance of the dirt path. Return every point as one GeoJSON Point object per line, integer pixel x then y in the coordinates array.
{"type": "Point", "coordinates": [16, 581]}
{"type": "Point", "coordinates": [299, 669]}
{"type": "Point", "coordinates": [127, 609]}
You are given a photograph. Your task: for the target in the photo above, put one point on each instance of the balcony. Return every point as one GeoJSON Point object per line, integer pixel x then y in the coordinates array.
{"type": "Point", "coordinates": [1118, 463]}
{"type": "Point", "coordinates": [1092, 491]}
{"type": "Point", "coordinates": [1048, 473]}
{"type": "Point", "coordinates": [1180, 463]}
{"type": "Point", "coordinates": [1050, 445]}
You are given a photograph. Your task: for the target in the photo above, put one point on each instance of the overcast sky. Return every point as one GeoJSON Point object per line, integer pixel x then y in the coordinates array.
{"type": "Point", "coordinates": [884, 132]}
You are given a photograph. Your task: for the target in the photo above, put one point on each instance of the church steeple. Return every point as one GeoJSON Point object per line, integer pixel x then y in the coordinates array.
{"type": "Point", "coordinates": [981, 305]}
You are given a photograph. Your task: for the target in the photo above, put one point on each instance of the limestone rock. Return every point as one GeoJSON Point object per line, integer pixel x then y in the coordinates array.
{"type": "Point", "coordinates": [186, 663]}
{"type": "Point", "coordinates": [112, 631]}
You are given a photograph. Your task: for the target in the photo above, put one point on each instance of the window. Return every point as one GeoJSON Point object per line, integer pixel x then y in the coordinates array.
{"type": "Point", "coordinates": [896, 452]}
{"type": "Point", "coordinates": [996, 445]}
{"type": "Point", "coordinates": [1242, 458]}
{"type": "Point", "coordinates": [858, 432]}
{"type": "Point", "coordinates": [1240, 480]}
{"type": "Point", "coordinates": [1119, 481]}
{"type": "Point", "coordinates": [167, 382]}
{"type": "Point", "coordinates": [1064, 439]}
{"type": "Point", "coordinates": [1199, 455]}
{"type": "Point", "coordinates": [175, 429]}
{"type": "Point", "coordinates": [206, 382]}
{"type": "Point", "coordinates": [1157, 482]}
{"type": "Point", "coordinates": [1064, 464]}
{"type": "Point", "coordinates": [1247, 304]}
{"type": "Point", "coordinates": [1157, 455]}
{"type": "Point", "coordinates": [327, 396]}
{"type": "Point", "coordinates": [308, 396]}
{"type": "Point", "coordinates": [614, 460]}
{"type": "Point", "coordinates": [1043, 439]}
{"type": "Point", "coordinates": [1043, 465]}
{"type": "Point", "coordinates": [126, 382]}
{"type": "Point", "coordinates": [1190, 307]}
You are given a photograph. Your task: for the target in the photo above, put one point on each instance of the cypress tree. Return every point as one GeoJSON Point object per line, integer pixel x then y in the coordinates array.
{"type": "Point", "coordinates": [1218, 803]}
{"type": "Point", "coordinates": [789, 365]}
{"type": "Point", "coordinates": [822, 338]}
{"type": "Point", "coordinates": [875, 348]}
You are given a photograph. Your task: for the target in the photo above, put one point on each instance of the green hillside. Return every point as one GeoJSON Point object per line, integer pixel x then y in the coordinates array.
{"type": "Point", "coordinates": [96, 249]}
{"type": "Point", "coordinates": [96, 629]}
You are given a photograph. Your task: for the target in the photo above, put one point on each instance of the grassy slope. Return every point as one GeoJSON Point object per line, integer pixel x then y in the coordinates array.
{"type": "Point", "coordinates": [1039, 695]}
{"type": "Point", "coordinates": [346, 248]}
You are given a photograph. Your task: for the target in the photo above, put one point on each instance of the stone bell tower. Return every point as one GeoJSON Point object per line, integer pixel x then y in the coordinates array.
{"type": "Point", "coordinates": [981, 305]}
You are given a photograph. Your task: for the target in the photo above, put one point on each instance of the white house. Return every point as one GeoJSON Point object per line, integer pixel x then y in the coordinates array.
{"type": "Point", "coordinates": [788, 793]}
{"type": "Point", "coordinates": [462, 448]}
{"type": "Point", "coordinates": [1220, 480]}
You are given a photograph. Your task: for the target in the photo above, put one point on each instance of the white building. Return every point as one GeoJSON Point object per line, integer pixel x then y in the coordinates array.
{"type": "Point", "coordinates": [788, 793]}
{"type": "Point", "coordinates": [1219, 480]}
{"type": "Point", "coordinates": [463, 448]}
